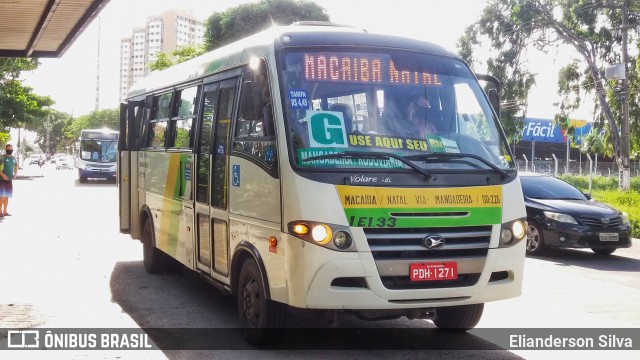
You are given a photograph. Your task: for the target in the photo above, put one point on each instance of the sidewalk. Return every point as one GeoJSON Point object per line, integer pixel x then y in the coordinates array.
{"type": "Point", "coordinates": [31, 171]}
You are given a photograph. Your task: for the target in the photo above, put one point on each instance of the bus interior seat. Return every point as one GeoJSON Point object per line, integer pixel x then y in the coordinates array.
{"type": "Point", "coordinates": [347, 114]}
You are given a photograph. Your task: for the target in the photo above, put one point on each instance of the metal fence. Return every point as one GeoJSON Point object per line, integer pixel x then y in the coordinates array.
{"type": "Point", "coordinates": [577, 167]}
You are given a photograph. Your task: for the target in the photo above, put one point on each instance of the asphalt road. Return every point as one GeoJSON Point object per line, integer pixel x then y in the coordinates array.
{"type": "Point", "coordinates": [63, 264]}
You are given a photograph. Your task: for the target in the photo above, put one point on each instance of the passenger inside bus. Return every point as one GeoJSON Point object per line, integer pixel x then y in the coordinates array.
{"type": "Point", "coordinates": [347, 115]}
{"type": "Point", "coordinates": [410, 115]}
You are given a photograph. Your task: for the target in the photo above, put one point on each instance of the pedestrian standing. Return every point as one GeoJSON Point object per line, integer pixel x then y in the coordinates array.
{"type": "Point", "coordinates": [8, 172]}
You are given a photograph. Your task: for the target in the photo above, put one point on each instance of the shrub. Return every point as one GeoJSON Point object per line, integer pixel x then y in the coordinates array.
{"type": "Point", "coordinates": [605, 189]}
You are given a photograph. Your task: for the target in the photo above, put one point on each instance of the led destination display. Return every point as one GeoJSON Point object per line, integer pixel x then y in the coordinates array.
{"type": "Point", "coordinates": [363, 69]}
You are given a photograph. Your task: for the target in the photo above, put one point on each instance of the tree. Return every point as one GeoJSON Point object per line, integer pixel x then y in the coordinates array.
{"type": "Point", "coordinates": [241, 21]}
{"type": "Point", "coordinates": [181, 54]}
{"type": "Point", "coordinates": [53, 124]}
{"type": "Point", "coordinates": [18, 104]}
{"type": "Point", "coordinates": [162, 62]}
{"type": "Point", "coordinates": [592, 28]}
{"type": "Point", "coordinates": [106, 118]}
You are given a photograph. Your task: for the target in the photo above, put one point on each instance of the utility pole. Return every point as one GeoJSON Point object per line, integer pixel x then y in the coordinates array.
{"type": "Point", "coordinates": [98, 71]}
{"type": "Point", "coordinates": [47, 126]}
{"type": "Point", "coordinates": [624, 180]}
{"type": "Point", "coordinates": [625, 173]}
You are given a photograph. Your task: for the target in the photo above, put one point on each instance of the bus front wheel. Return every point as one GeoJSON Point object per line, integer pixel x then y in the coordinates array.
{"type": "Point", "coordinates": [154, 260]}
{"type": "Point", "coordinates": [261, 318]}
{"type": "Point", "coordinates": [461, 318]}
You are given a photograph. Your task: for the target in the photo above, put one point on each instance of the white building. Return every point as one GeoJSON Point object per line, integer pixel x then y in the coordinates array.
{"type": "Point", "coordinates": [162, 33]}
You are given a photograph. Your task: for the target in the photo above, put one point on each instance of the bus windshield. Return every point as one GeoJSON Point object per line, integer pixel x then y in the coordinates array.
{"type": "Point", "coordinates": [101, 151]}
{"type": "Point", "coordinates": [424, 108]}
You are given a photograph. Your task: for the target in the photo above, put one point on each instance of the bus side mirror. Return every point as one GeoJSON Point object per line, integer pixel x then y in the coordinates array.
{"type": "Point", "coordinates": [492, 88]}
{"type": "Point", "coordinates": [494, 99]}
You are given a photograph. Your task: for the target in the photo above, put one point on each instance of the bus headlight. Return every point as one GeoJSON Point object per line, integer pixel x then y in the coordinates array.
{"type": "Point", "coordinates": [321, 234]}
{"type": "Point", "coordinates": [335, 237]}
{"type": "Point", "coordinates": [513, 232]}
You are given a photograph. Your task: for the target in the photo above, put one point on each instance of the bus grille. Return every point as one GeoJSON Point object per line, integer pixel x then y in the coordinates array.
{"type": "Point", "coordinates": [394, 250]}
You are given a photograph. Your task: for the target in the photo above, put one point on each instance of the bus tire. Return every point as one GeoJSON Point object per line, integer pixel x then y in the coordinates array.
{"type": "Point", "coordinates": [154, 260]}
{"type": "Point", "coordinates": [83, 179]}
{"type": "Point", "coordinates": [458, 318]}
{"type": "Point", "coordinates": [261, 318]}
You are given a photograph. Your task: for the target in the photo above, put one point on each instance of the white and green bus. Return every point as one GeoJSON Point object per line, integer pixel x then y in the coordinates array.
{"type": "Point", "coordinates": [282, 169]}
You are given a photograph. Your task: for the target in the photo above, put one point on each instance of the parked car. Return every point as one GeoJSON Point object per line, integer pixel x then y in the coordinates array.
{"type": "Point", "coordinates": [35, 159]}
{"type": "Point", "coordinates": [64, 162]}
{"type": "Point", "coordinates": [55, 157]}
{"type": "Point", "coordinates": [559, 215]}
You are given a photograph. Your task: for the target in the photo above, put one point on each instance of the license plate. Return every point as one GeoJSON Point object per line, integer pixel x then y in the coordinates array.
{"type": "Point", "coordinates": [609, 237]}
{"type": "Point", "coordinates": [433, 271]}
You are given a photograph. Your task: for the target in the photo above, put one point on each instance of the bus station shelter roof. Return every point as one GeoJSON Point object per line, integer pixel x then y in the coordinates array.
{"type": "Point", "coordinates": [43, 28]}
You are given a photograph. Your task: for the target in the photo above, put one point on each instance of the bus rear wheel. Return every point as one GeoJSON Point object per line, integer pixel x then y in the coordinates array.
{"type": "Point", "coordinates": [261, 318]}
{"type": "Point", "coordinates": [154, 260]}
{"type": "Point", "coordinates": [458, 318]}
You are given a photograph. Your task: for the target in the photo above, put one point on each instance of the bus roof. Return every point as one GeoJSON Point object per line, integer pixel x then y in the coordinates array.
{"type": "Point", "coordinates": [98, 134]}
{"type": "Point", "coordinates": [298, 34]}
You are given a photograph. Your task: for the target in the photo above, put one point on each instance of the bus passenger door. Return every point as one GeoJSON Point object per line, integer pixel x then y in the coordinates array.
{"type": "Point", "coordinates": [130, 119]}
{"type": "Point", "coordinates": [211, 179]}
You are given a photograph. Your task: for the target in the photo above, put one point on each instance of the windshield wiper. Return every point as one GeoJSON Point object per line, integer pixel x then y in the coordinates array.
{"type": "Point", "coordinates": [371, 155]}
{"type": "Point", "coordinates": [438, 156]}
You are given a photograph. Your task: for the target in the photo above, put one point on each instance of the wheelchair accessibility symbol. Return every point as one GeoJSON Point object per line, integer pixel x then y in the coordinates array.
{"type": "Point", "coordinates": [236, 175]}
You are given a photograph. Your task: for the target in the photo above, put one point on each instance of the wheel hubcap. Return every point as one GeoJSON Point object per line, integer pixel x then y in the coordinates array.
{"type": "Point", "coordinates": [533, 239]}
{"type": "Point", "coordinates": [251, 302]}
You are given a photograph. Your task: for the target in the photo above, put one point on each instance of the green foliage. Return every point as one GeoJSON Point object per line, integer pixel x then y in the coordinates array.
{"type": "Point", "coordinates": [181, 54]}
{"type": "Point", "coordinates": [243, 20]}
{"type": "Point", "coordinates": [18, 104]}
{"type": "Point", "coordinates": [52, 123]}
{"type": "Point", "coordinates": [106, 118]}
{"type": "Point", "coordinates": [605, 189]}
{"type": "Point", "coordinates": [591, 28]}
{"type": "Point", "coordinates": [4, 139]}
{"type": "Point", "coordinates": [508, 63]}
{"type": "Point", "coordinates": [162, 62]}
{"type": "Point", "coordinates": [627, 201]}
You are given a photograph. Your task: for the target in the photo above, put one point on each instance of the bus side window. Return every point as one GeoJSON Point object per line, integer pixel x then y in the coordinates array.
{"type": "Point", "coordinates": [158, 126]}
{"type": "Point", "coordinates": [183, 123]}
{"type": "Point", "coordinates": [255, 130]}
{"type": "Point", "coordinates": [158, 131]}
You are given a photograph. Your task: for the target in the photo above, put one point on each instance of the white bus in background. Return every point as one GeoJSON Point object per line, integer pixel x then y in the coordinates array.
{"type": "Point", "coordinates": [247, 166]}
{"type": "Point", "coordinates": [97, 154]}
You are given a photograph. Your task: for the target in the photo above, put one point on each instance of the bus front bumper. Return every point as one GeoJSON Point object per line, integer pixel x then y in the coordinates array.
{"type": "Point", "coordinates": [96, 174]}
{"type": "Point", "coordinates": [352, 281]}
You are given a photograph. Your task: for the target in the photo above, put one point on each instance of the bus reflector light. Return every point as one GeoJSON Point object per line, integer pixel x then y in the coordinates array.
{"type": "Point", "coordinates": [273, 241]}
{"type": "Point", "coordinates": [300, 229]}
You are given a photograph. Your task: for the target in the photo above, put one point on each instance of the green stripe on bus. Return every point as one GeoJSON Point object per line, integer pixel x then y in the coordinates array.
{"type": "Point", "coordinates": [421, 217]}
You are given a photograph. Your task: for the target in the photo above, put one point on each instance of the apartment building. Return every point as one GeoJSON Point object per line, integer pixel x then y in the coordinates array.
{"type": "Point", "coordinates": [162, 33]}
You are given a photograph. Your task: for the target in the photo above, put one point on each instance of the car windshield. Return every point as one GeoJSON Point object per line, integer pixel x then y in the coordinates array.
{"type": "Point", "coordinates": [393, 102]}
{"type": "Point", "coordinates": [547, 187]}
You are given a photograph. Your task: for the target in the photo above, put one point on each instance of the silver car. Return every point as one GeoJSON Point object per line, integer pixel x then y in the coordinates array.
{"type": "Point", "coordinates": [64, 162]}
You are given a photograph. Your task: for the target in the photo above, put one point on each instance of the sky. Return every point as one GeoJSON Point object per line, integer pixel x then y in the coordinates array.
{"type": "Point", "coordinates": [71, 80]}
